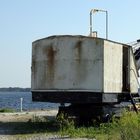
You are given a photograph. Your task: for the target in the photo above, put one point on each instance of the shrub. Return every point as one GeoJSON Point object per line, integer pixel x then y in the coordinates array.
{"type": "Point", "coordinates": [125, 128]}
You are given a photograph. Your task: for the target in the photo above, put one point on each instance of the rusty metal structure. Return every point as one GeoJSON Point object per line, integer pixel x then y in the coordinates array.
{"type": "Point", "coordinates": [93, 74]}
{"type": "Point", "coordinates": [83, 70]}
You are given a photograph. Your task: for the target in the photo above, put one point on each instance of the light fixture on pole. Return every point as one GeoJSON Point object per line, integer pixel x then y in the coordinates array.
{"type": "Point", "coordinates": [98, 10]}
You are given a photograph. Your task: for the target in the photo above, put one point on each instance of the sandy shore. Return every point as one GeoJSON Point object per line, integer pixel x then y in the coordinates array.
{"type": "Point", "coordinates": [26, 116]}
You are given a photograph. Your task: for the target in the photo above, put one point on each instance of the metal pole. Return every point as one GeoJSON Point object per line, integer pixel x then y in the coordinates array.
{"type": "Point", "coordinates": [21, 100]}
{"type": "Point", "coordinates": [99, 10]}
{"type": "Point", "coordinates": [106, 25]}
{"type": "Point", "coordinates": [106, 21]}
{"type": "Point", "coordinates": [91, 23]}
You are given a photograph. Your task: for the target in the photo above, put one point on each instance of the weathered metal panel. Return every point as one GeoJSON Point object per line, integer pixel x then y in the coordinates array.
{"type": "Point", "coordinates": [67, 63]}
{"type": "Point", "coordinates": [133, 74]}
{"type": "Point", "coordinates": [79, 69]}
{"type": "Point", "coordinates": [112, 67]}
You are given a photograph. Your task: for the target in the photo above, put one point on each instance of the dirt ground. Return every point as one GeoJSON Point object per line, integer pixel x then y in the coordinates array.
{"type": "Point", "coordinates": [25, 116]}
{"type": "Point", "coordinates": [10, 122]}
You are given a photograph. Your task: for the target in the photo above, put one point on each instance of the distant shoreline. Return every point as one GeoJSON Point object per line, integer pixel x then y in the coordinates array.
{"type": "Point", "coordinates": [15, 89]}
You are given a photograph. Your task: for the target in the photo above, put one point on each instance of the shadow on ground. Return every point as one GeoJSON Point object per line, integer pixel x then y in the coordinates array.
{"type": "Point", "coordinates": [13, 128]}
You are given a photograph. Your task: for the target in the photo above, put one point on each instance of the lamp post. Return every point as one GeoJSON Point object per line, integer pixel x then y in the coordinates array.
{"type": "Point", "coordinates": [98, 10]}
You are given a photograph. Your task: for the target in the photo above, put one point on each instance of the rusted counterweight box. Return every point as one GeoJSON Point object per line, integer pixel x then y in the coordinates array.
{"type": "Point", "coordinates": [81, 69]}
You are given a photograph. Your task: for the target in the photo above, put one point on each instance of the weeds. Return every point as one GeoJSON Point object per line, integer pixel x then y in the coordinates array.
{"type": "Point", "coordinates": [129, 126]}
{"type": "Point", "coordinates": [125, 128]}
{"type": "Point", "coordinates": [7, 110]}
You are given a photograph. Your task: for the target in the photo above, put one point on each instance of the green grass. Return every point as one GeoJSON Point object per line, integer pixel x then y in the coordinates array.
{"type": "Point", "coordinates": [125, 128]}
{"type": "Point", "coordinates": [7, 110]}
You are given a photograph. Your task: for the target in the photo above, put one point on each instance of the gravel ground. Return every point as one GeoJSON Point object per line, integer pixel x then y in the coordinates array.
{"type": "Point", "coordinates": [25, 116]}
{"type": "Point", "coordinates": [40, 137]}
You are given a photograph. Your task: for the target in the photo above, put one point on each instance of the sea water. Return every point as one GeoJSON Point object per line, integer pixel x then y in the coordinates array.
{"type": "Point", "coordinates": [13, 100]}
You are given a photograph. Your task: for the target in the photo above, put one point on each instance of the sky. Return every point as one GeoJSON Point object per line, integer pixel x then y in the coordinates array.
{"type": "Point", "coordinates": [24, 21]}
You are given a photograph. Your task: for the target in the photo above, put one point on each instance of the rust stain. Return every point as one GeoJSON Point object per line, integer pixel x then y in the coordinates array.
{"type": "Point", "coordinates": [51, 55]}
{"type": "Point", "coordinates": [33, 69]}
{"type": "Point", "coordinates": [50, 52]}
{"type": "Point", "coordinates": [81, 68]}
{"type": "Point", "coordinates": [34, 56]}
{"type": "Point", "coordinates": [78, 46]}
{"type": "Point", "coordinates": [33, 65]}
{"type": "Point", "coordinates": [97, 41]}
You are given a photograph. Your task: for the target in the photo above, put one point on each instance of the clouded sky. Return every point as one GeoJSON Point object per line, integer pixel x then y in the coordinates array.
{"type": "Point", "coordinates": [24, 21]}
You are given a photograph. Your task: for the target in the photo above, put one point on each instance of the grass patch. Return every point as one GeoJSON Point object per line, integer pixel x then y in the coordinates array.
{"type": "Point", "coordinates": [7, 110]}
{"type": "Point", "coordinates": [129, 126]}
{"type": "Point", "coordinates": [125, 128]}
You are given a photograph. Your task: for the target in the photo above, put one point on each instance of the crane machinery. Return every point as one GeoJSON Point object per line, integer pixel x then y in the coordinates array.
{"type": "Point", "coordinates": [95, 76]}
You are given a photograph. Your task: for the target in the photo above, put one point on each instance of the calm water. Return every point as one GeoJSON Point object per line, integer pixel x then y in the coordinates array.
{"type": "Point", "coordinates": [12, 100]}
